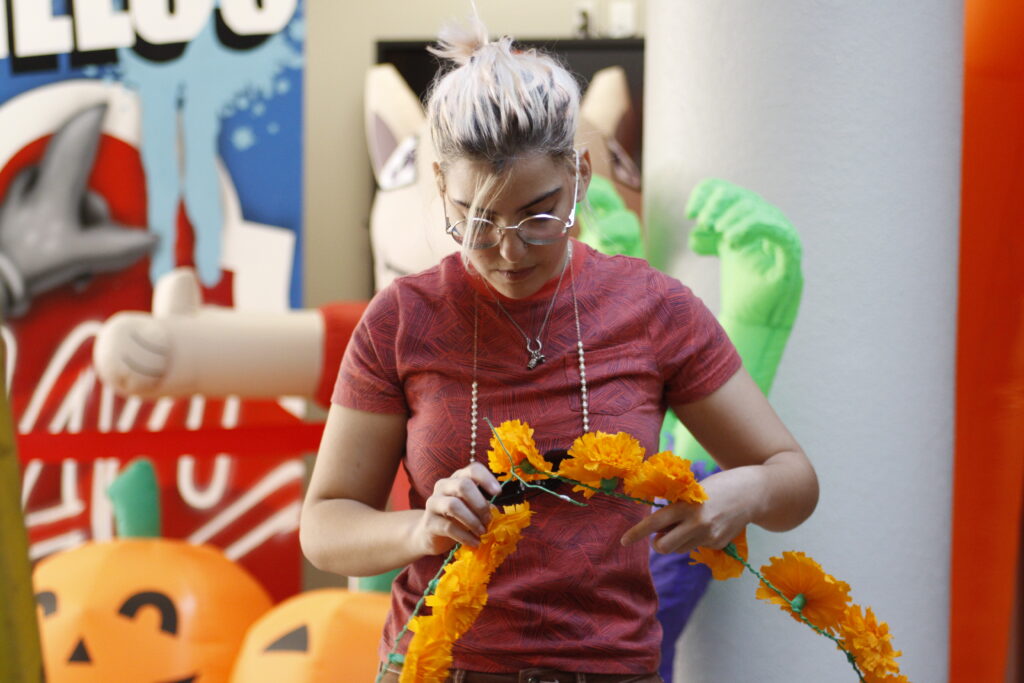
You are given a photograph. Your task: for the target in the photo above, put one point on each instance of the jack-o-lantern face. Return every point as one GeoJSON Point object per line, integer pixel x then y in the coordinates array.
{"type": "Point", "coordinates": [321, 636]}
{"type": "Point", "coordinates": [146, 610]}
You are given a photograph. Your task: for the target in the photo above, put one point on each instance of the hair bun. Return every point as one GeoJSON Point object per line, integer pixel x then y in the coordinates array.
{"type": "Point", "coordinates": [459, 42]}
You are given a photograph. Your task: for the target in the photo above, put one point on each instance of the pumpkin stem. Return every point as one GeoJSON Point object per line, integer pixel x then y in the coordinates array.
{"type": "Point", "coordinates": [135, 497]}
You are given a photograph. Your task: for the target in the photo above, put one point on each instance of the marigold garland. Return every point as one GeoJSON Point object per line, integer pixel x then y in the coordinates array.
{"type": "Point", "coordinates": [598, 463]}
{"type": "Point", "coordinates": [723, 565]}
{"type": "Point", "coordinates": [460, 596]}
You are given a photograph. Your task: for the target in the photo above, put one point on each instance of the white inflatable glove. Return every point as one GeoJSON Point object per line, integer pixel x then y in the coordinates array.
{"type": "Point", "coordinates": [183, 347]}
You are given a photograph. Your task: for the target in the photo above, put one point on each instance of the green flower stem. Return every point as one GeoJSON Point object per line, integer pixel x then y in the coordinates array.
{"type": "Point", "coordinates": [731, 551]}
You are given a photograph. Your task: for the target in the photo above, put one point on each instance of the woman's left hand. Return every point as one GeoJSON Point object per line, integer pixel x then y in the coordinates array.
{"type": "Point", "coordinates": [682, 527]}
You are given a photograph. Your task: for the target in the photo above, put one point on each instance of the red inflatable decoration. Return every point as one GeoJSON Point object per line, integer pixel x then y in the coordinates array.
{"type": "Point", "coordinates": [989, 465]}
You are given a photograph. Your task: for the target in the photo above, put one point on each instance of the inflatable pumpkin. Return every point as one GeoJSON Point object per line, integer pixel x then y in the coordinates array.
{"type": "Point", "coordinates": [316, 637]}
{"type": "Point", "coordinates": [144, 610]}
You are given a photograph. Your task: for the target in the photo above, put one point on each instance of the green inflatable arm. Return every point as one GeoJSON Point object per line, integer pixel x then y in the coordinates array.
{"type": "Point", "coordinates": [761, 283]}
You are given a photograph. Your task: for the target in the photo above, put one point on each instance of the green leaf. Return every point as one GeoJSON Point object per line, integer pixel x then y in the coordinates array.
{"type": "Point", "coordinates": [609, 485]}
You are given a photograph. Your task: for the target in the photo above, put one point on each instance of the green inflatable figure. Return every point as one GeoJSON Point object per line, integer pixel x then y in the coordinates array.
{"type": "Point", "coordinates": [761, 284]}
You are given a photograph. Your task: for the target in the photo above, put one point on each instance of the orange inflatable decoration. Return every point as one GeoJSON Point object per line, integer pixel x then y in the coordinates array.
{"type": "Point", "coordinates": [321, 636]}
{"type": "Point", "coordinates": [989, 465]}
{"type": "Point", "coordinates": [145, 610]}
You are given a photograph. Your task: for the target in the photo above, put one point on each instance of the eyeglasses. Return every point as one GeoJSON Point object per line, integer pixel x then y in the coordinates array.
{"type": "Point", "coordinates": [542, 228]}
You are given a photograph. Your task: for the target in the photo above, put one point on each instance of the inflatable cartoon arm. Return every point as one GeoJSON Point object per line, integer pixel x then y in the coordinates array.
{"type": "Point", "coordinates": [762, 282]}
{"type": "Point", "coordinates": [184, 347]}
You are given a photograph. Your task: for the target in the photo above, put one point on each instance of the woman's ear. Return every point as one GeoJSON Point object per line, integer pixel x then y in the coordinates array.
{"type": "Point", "coordinates": [586, 171]}
{"type": "Point", "coordinates": [439, 177]}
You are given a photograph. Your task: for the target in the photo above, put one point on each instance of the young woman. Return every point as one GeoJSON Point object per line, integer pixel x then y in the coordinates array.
{"type": "Point", "coordinates": [528, 324]}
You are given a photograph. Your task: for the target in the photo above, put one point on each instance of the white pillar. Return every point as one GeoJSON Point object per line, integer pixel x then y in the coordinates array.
{"type": "Point", "coordinates": [847, 115]}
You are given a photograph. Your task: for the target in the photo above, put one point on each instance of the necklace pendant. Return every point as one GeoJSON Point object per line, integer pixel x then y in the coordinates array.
{"type": "Point", "coordinates": [536, 358]}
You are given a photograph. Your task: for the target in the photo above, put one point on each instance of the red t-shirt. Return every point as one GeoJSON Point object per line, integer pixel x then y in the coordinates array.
{"type": "Point", "coordinates": [570, 597]}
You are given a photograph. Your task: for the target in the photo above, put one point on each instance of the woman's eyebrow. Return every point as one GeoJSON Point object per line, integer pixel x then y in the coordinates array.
{"type": "Point", "coordinates": [537, 200]}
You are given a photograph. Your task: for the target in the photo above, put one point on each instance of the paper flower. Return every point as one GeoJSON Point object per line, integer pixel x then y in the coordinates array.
{"type": "Point", "coordinates": [596, 458]}
{"type": "Point", "coordinates": [430, 653]}
{"type": "Point", "coordinates": [460, 596]}
{"type": "Point", "coordinates": [794, 574]}
{"type": "Point", "coordinates": [723, 566]}
{"type": "Point", "coordinates": [665, 475]}
{"type": "Point", "coordinates": [518, 439]}
{"type": "Point", "coordinates": [869, 642]}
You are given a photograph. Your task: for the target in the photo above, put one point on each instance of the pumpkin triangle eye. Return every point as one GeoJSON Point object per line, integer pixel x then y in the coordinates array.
{"type": "Point", "coordinates": [293, 641]}
{"type": "Point", "coordinates": [80, 654]}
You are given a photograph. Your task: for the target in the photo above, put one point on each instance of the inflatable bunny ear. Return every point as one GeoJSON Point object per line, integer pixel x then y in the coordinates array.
{"type": "Point", "coordinates": [407, 220]}
{"type": "Point", "coordinates": [609, 126]}
{"type": "Point", "coordinates": [393, 116]}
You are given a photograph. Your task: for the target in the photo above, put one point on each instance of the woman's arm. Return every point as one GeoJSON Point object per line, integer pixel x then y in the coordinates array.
{"type": "Point", "coordinates": [345, 528]}
{"type": "Point", "coordinates": [766, 479]}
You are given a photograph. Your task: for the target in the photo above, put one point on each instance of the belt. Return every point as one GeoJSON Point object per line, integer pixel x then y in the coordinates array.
{"type": "Point", "coordinates": [535, 675]}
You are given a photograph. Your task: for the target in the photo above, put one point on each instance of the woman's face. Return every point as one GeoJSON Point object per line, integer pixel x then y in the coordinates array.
{"type": "Point", "coordinates": [533, 185]}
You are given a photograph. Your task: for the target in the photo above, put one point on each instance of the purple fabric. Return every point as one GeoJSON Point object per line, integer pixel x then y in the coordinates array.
{"type": "Point", "coordinates": [679, 586]}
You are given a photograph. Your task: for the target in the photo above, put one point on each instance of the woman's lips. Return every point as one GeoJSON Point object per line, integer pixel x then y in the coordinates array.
{"type": "Point", "coordinates": [517, 275]}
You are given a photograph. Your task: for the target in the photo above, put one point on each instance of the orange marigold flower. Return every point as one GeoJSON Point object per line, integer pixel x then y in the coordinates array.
{"type": "Point", "coordinates": [825, 597]}
{"type": "Point", "coordinates": [430, 653]}
{"type": "Point", "coordinates": [869, 642]}
{"type": "Point", "coordinates": [596, 456]}
{"type": "Point", "coordinates": [459, 598]}
{"type": "Point", "coordinates": [723, 566]}
{"type": "Point", "coordinates": [665, 475]}
{"type": "Point", "coordinates": [518, 439]}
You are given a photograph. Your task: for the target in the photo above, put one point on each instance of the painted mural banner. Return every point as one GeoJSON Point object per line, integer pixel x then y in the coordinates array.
{"type": "Point", "coordinates": [136, 138]}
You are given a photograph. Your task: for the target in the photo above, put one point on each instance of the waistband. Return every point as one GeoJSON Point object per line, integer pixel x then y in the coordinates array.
{"type": "Point", "coordinates": [533, 675]}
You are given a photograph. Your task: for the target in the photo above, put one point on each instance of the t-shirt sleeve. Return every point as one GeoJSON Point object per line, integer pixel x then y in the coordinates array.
{"type": "Point", "coordinates": [694, 352]}
{"type": "Point", "coordinates": [368, 378]}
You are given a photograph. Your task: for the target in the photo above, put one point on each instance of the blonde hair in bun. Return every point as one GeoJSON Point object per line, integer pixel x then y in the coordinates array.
{"type": "Point", "coordinates": [495, 103]}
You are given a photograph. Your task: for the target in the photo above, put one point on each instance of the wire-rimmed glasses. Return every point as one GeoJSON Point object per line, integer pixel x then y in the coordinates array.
{"type": "Point", "coordinates": [539, 229]}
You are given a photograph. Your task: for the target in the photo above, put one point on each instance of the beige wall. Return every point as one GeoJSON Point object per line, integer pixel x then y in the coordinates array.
{"type": "Point", "coordinates": [340, 47]}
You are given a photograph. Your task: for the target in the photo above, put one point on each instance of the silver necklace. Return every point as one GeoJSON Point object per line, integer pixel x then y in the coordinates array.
{"type": "Point", "coordinates": [584, 405]}
{"type": "Point", "coordinates": [534, 345]}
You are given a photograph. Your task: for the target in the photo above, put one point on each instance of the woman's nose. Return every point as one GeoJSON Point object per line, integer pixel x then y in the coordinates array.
{"type": "Point", "coordinates": [512, 248]}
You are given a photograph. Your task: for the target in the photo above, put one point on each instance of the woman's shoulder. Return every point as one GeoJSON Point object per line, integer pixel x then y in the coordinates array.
{"type": "Point", "coordinates": [629, 273]}
{"type": "Point", "coordinates": [433, 285]}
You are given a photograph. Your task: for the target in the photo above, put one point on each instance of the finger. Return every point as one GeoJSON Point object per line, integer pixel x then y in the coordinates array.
{"type": "Point", "coordinates": [456, 510]}
{"type": "Point", "coordinates": [457, 532]}
{"type": "Point", "coordinates": [483, 478]}
{"type": "Point", "coordinates": [177, 293]}
{"type": "Point", "coordinates": [721, 199]}
{"type": "Point", "coordinates": [700, 195]}
{"type": "Point", "coordinates": [659, 521]}
{"type": "Point", "coordinates": [68, 159]}
{"type": "Point", "coordinates": [704, 240]}
{"type": "Point", "coordinates": [466, 490]}
{"type": "Point", "coordinates": [679, 539]}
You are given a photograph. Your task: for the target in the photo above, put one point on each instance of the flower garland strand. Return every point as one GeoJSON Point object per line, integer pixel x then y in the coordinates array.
{"type": "Point", "coordinates": [599, 463]}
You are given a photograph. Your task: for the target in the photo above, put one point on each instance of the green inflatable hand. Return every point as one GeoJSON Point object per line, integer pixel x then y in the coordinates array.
{"type": "Point", "coordinates": [761, 282]}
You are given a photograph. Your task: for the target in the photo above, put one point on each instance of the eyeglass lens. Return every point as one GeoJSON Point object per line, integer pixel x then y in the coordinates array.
{"type": "Point", "coordinates": [481, 232]}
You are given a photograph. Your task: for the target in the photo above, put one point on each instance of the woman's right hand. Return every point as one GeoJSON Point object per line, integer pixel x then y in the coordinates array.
{"type": "Point", "coordinates": [457, 511]}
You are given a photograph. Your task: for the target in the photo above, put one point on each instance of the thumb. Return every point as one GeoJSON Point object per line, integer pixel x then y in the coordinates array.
{"type": "Point", "coordinates": [177, 293]}
{"type": "Point", "coordinates": [704, 239]}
